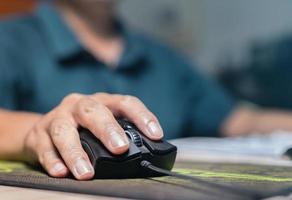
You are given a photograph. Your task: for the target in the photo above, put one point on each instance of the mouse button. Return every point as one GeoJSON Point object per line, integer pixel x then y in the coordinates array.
{"type": "Point", "coordinates": [130, 154]}
{"type": "Point", "coordinates": [87, 139]}
{"type": "Point", "coordinates": [288, 153]}
{"type": "Point", "coordinates": [125, 124]}
{"type": "Point", "coordinates": [92, 146]}
{"type": "Point", "coordinates": [92, 156]}
{"type": "Point", "coordinates": [134, 137]}
{"type": "Point", "coordinates": [84, 134]}
{"type": "Point", "coordinates": [97, 151]}
{"type": "Point", "coordinates": [94, 149]}
{"type": "Point", "coordinates": [158, 147]}
{"type": "Point", "coordinates": [144, 150]}
{"type": "Point", "coordinates": [133, 151]}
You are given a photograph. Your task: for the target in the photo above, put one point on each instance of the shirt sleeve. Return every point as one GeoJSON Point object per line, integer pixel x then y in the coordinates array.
{"type": "Point", "coordinates": [7, 81]}
{"type": "Point", "coordinates": [209, 104]}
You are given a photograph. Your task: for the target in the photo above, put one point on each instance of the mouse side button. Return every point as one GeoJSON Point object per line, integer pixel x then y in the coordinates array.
{"type": "Point", "coordinates": [97, 151]}
{"type": "Point", "coordinates": [158, 147]}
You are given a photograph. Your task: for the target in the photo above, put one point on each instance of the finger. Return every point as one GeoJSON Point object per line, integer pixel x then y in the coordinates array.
{"type": "Point", "coordinates": [49, 157]}
{"type": "Point", "coordinates": [133, 109]}
{"type": "Point", "coordinates": [101, 122]}
{"type": "Point", "coordinates": [66, 139]}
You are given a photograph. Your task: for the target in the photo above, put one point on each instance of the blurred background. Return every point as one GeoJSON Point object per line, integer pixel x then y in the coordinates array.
{"type": "Point", "coordinates": [245, 45]}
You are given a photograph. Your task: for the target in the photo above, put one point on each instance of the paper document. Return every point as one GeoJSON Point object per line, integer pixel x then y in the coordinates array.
{"type": "Point", "coordinates": [258, 149]}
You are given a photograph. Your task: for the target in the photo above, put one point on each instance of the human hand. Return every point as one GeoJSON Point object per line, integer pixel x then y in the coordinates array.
{"type": "Point", "coordinates": [54, 140]}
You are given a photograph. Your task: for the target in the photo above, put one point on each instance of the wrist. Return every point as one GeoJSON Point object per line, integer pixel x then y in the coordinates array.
{"type": "Point", "coordinates": [14, 128]}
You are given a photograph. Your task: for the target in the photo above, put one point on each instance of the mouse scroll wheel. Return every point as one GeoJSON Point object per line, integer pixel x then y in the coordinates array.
{"type": "Point", "coordinates": [134, 136]}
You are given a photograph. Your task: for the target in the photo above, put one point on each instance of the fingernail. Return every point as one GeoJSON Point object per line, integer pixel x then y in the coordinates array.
{"type": "Point", "coordinates": [82, 167]}
{"type": "Point", "coordinates": [155, 129]}
{"type": "Point", "coordinates": [117, 140]}
{"type": "Point", "coordinates": [58, 167]}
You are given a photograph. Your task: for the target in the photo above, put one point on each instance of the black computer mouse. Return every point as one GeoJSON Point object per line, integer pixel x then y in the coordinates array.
{"type": "Point", "coordinates": [128, 165]}
{"type": "Point", "coordinates": [288, 153]}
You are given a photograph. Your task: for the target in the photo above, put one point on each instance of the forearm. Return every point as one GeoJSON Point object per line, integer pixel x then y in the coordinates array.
{"type": "Point", "coordinates": [245, 121]}
{"type": "Point", "coordinates": [13, 129]}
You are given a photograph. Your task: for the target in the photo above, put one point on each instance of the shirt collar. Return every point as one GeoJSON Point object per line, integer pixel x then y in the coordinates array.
{"type": "Point", "coordinates": [134, 50]}
{"type": "Point", "coordinates": [64, 44]}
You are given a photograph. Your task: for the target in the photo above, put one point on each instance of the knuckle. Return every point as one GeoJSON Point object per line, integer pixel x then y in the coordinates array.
{"type": "Point", "coordinates": [75, 152]}
{"type": "Point", "coordinates": [61, 127]}
{"type": "Point", "coordinates": [48, 154]}
{"type": "Point", "coordinates": [111, 127]}
{"type": "Point", "coordinates": [100, 94]}
{"type": "Point", "coordinates": [88, 105]}
{"type": "Point", "coordinates": [71, 98]}
{"type": "Point", "coordinates": [128, 100]}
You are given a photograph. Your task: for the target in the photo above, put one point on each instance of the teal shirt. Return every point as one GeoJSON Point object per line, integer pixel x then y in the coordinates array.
{"type": "Point", "coordinates": [41, 61]}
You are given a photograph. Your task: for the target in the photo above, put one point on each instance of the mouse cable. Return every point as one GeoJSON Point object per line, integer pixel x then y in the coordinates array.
{"type": "Point", "coordinates": [236, 191]}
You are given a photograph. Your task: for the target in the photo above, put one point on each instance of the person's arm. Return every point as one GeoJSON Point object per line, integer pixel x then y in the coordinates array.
{"type": "Point", "coordinates": [214, 112]}
{"type": "Point", "coordinates": [53, 141]}
{"type": "Point", "coordinates": [13, 129]}
{"type": "Point", "coordinates": [244, 120]}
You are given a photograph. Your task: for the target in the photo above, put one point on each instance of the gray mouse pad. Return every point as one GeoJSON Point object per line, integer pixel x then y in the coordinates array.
{"type": "Point", "coordinates": [265, 180]}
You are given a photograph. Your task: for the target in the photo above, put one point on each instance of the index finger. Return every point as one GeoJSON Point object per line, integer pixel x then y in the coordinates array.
{"type": "Point", "coordinates": [133, 109]}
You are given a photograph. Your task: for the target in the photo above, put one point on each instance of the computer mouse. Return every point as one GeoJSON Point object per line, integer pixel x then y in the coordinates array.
{"type": "Point", "coordinates": [288, 153]}
{"type": "Point", "coordinates": [128, 165]}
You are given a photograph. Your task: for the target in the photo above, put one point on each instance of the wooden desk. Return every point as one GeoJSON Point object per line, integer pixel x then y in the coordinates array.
{"type": "Point", "coordinates": [15, 193]}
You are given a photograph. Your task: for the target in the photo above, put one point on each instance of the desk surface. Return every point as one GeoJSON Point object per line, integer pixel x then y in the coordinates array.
{"type": "Point", "coordinates": [16, 193]}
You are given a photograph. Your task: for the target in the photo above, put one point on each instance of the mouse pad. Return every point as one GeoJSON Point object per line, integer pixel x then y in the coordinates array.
{"type": "Point", "coordinates": [265, 180]}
